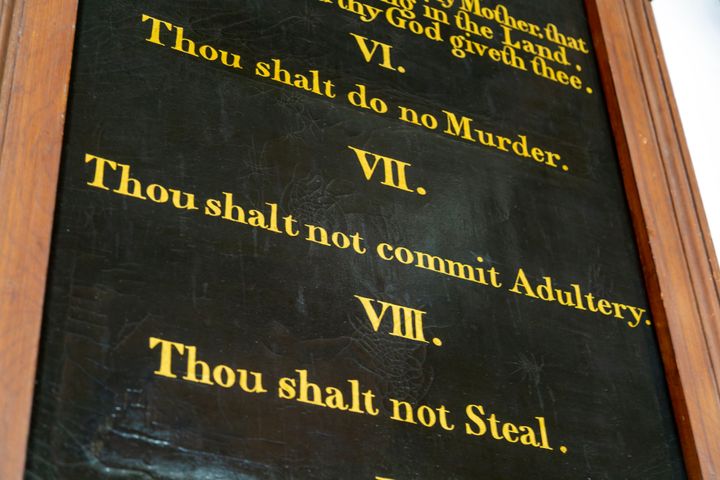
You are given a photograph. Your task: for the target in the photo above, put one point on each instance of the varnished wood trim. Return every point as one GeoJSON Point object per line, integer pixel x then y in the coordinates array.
{"type": "Point", "coordinates": [10, 15]}
{"type": "Point", "coordinates": [676, 250]}
{"type": "Point", "coordinates": [37, 39]}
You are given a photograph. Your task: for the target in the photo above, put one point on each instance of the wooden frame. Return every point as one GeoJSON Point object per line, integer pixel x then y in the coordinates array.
{"type": "Point", "coordinates": [35, 55]}
{"type": "Point", "coordinates": [676, 251]}
{"type": "Point", "coordinates": [680, 266]}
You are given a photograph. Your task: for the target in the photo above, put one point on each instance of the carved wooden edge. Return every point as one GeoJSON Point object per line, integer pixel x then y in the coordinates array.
{"type": "Point", "coordinates": [676, 250]}
{"type": "Point", "coordinates": [36, 40]}
{"type": "Point", "coordinates": [678, 259]}
{"type": "Point", "coordinates": [9, 21]}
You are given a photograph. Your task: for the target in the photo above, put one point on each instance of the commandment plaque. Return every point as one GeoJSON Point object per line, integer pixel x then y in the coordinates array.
{"type": "Point", "coordinates": [341, 239]}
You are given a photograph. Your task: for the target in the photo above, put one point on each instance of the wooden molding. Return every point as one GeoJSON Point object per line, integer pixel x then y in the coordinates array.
{"type": "Point", "coordinates": [676, 250]}
{"type": "Point", "coordinates": [36, 39]}
{"type": "Point", "coordinates": [10, 15]}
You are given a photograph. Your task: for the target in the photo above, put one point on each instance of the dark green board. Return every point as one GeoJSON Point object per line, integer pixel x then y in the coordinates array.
{"type": "Point", "coordinates": [567, 393]}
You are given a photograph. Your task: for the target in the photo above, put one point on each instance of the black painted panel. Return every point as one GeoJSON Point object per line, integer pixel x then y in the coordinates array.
{"type": "Point", "coordinates": [125, 270]}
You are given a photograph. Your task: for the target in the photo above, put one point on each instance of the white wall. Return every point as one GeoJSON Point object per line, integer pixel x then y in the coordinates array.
{"type": "Point", "coordinates": [690, 36]}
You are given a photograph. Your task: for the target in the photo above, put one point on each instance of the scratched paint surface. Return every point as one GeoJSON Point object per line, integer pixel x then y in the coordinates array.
{"type": "Point", "coordinates": [125, 270]}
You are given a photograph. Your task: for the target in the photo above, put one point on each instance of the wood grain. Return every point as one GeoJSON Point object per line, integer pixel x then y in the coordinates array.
{"type": "Point", "coordinates": [10, 15]}
{"type": "Point", "coordinates": [37, 49]}
{"type": "Point", "coordinates": [678, 259]}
